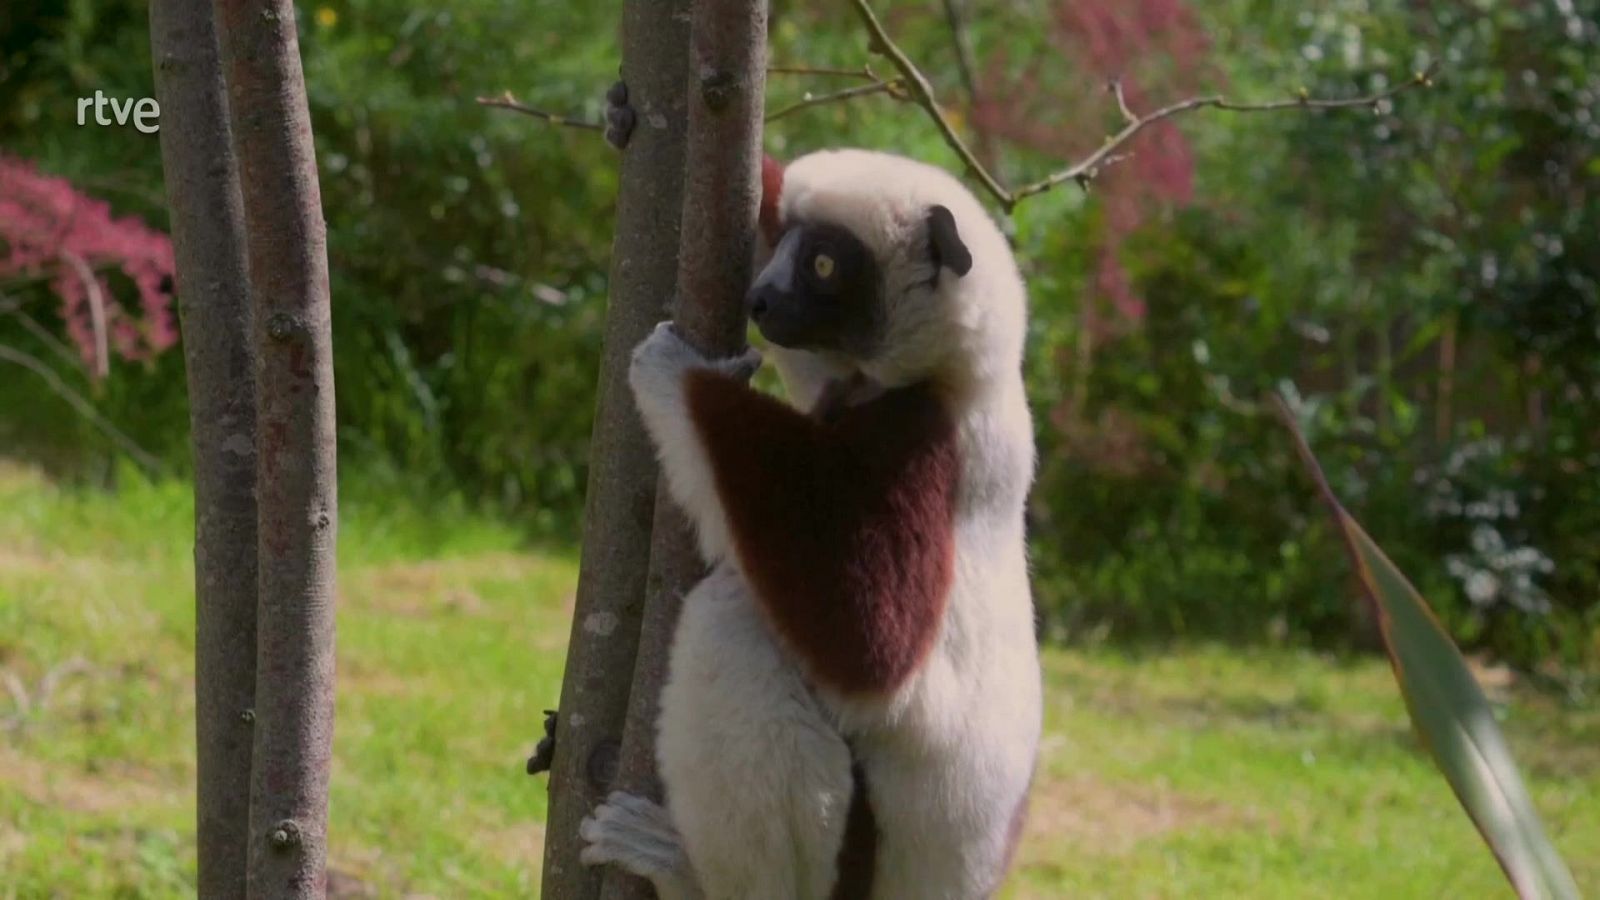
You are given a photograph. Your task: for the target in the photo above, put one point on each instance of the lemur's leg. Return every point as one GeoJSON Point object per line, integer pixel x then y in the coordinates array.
{"type": "Point", "coordinates": [636, 834]}
{"type": "Point", "coordinates": [758, 779]}
{"type": "Point", "coordinates": [658, 375]}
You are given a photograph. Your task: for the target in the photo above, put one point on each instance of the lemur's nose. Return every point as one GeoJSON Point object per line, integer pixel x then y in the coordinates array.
{"type": "Point", "coordinates": [761, 298]}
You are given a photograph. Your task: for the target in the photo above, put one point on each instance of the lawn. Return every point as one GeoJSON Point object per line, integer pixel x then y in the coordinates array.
{"type": "Point", "coordinates": [1180, 772]}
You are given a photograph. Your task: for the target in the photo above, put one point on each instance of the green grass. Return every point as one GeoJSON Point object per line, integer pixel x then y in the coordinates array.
{"type": "Point", "coordinates": [1197, 771]}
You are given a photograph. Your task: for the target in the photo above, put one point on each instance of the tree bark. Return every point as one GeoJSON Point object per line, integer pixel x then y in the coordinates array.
{"type": "Point", "coordinates": [295, 466]}
{"type": "Point", "coordinates": [620, 501]}
{"type": "Point", "coordinates": [208, 240]}
{"type": "Point", "coordinates": [722, 198]}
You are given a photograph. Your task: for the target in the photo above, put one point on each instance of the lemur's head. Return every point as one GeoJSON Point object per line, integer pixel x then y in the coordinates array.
{"type": "Point", "coordinates": [888, 267]}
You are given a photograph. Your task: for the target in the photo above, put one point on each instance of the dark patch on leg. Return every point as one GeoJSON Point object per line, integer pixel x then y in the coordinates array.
{"type": "Point", "coordinates": [1019, 820]}
{"type": "Point", "coordinates": [858, 855]}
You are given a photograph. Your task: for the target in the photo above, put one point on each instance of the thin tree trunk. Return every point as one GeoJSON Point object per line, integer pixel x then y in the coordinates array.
{"type": "Point", "coordinates": [208, 237]}
{"type": "Point", "coordinates": [620, 501]}
{"type": "Point", "coordinates": [722, 196]}
{"type": "Point", "coordinates": [295, 467]}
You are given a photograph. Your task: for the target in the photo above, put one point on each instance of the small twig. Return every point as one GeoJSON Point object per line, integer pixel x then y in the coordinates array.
{"type": "Point", "coordinates": [53, 678]}
{"type": "Point", "coordinates": [864, 73]}
{"type": "Point", "coordinates": [13, 307]}
{"type": "Point", "coordinates": [27, 706]}
{"type": "Point", "coordinates": [1085, 170]}
{"type": "Point", "coordinates": [19, 696]}
{"type": "Point", "coordinates": [1122, 101]}
{"type": "Point", "coordinates": [118, 185]}
{"type": "Point", "coordinates": [508, 101]}
{"type": "Point", "coordinates": [36, 328]}
{"type": "Point", "coordinates": [97, 311]}
{"type": "Point", "coordinates": [1230, 401]}
{"type": "Point", "coordinates": [40, 277]}
{"type": "Point", "coordinates": [922, 93]}
{"type": "Point", "coordinates": [894, 88]}
{"type": "Point", "coordinates": [83, 406]}
{"type": "Point", "coordinates": [954, 18]}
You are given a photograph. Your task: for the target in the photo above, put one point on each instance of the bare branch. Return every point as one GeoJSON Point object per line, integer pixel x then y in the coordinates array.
{"type": "Point", "coordinates": [12, 307]}
{"type": "Point", "coordinates": [27, 706]}
{"type": "Point", "coordinates": [1088, 168]}
{"type": "Point", "coordinates": [36, 328]}
{"type": "Point", "coordinates": [894, 88]}
{"type": "Point", "coordinates": [97, 311]}
{"type": "Point", "coordinates": [864, 73]}
{"type": "Point", "coordinates": [953, 16]}
{"type": "Point", "coordinates": [1122, 101]}
{"type": "Point", "coordinates": [922, 93]}
{"type": "Point", "coordinates": [508, 101]}
{"type": "Point", "coordinates": [19, 700]}
{"type": "Point", "coordinates": [877, 86]}
{"type": "Point", "coordinates": [80, 403]}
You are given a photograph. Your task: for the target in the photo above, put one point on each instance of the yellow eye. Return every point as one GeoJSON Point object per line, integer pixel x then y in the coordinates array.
{"type": "Point", "coordinates": [822, 264]}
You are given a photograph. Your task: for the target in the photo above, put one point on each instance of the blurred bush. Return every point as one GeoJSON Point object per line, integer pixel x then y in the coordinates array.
{"type": "Point", "coordinates": [1425, 277]}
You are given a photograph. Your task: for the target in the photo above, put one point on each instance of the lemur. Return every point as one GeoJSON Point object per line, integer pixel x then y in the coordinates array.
{"type": "Point", "coordinates": [853, 701]}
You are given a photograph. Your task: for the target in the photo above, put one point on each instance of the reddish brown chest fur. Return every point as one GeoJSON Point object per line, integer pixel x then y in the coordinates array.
{"type": "Point", "coordinates": [843, 525]}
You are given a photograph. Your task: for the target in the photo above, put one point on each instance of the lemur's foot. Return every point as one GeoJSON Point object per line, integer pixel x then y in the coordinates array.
{"type": "Point", "coordinates": [637, 834]}
{"type": "Point", "coordinates": [620, 117]}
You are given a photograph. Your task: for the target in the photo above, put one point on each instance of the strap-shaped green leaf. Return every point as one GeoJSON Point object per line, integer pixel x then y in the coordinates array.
{"type": "Point", "coordinates": [1449, 710]}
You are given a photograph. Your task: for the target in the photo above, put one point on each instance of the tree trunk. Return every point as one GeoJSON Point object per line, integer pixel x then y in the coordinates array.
{"type": "Point", "coordinates": [295, 466]}
{"type": "Point", "coordinates": [208, 239]}
{"type": "Point", "coordinates": [722, 197]}
{"type": "Point", "coordinates": [622, 466]}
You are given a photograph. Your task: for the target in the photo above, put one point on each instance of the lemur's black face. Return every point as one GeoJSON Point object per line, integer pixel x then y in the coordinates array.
{"type": "Point", "coordinates": [824, 290]}
{"type": "Point", "coordinates": [820, 291]}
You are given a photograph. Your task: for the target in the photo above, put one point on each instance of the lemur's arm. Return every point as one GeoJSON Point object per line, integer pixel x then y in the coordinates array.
{"type": "Point", "coordinates": [657, 376]}
{"type": "Point", "coordinates": [843, 527]}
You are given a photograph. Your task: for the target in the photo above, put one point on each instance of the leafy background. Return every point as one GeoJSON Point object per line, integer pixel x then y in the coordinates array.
{"type": "Point", "coordinates": [1423, 278]}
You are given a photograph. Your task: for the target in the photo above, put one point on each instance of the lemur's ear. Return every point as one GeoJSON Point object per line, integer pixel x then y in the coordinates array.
{"type": "Point", "coordinates": [948, 249]}
{"type": "Point", "coordinates": [771, 193]}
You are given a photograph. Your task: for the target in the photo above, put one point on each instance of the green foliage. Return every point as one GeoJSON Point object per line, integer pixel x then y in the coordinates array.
{"type": "Point", "coordinates": [450, 641]}
{"type": "Point", "coordinates": [1424, 276]}
{"type": "Point", "coordinates": [1197, 771]}
{"type": "Point", "coordinates": [1448, 708]}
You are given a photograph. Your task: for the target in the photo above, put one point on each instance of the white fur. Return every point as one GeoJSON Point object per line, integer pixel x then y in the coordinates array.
{"type": "Point", "coordinates": [757, 775]}
{"type": "Point", "coordinates": [635, 833]}
{"type": "Point", "coordinates": [656, 376]}
{"type": "Point", "coordinates": [755, 760]}
{"type": "Point", "coordinates": [970, 330]}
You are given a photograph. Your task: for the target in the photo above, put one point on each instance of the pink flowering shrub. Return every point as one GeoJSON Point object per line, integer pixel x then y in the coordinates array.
{"type": "Point", "coordinates": [1155, 47]}
{"type": "Point", "coordinates": [52, 231]}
